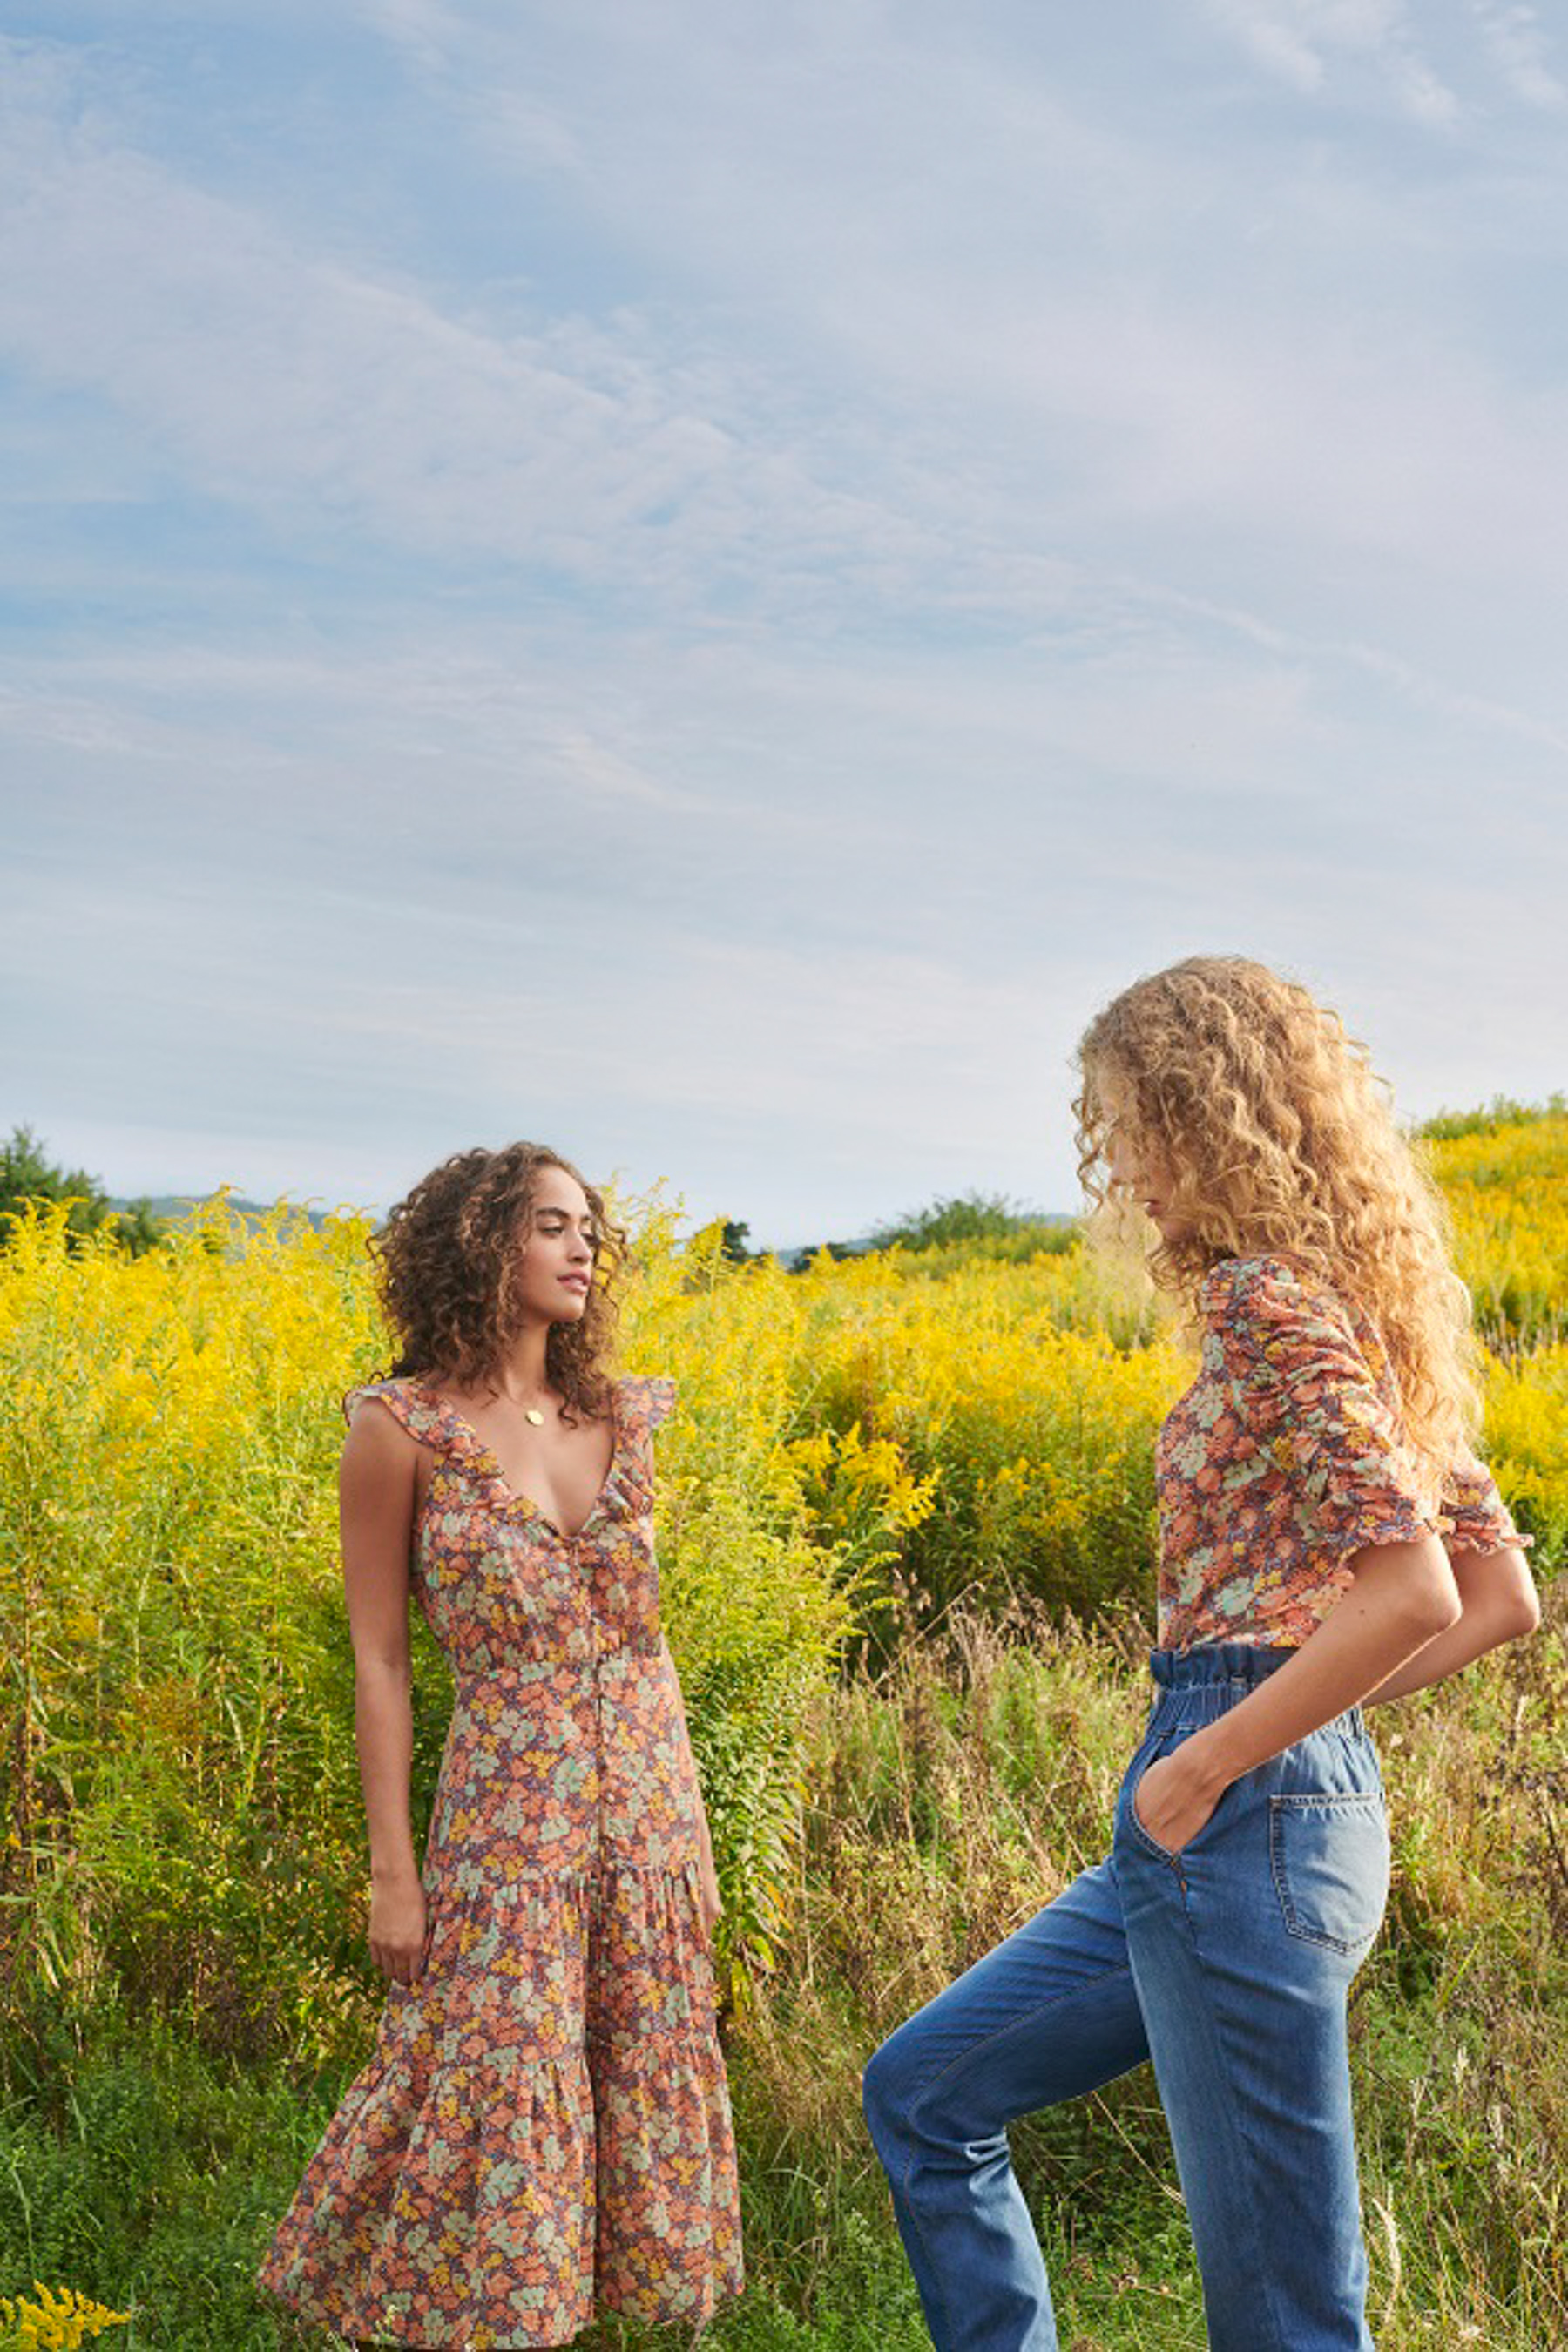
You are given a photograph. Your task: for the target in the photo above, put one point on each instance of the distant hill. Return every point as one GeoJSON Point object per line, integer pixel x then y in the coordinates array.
{"type": "Point", "coordinates": [170, 1205]}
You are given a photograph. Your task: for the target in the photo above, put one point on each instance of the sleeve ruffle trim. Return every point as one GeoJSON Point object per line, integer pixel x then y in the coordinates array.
{"type": "Point", "coordinates": [1357, 1526]}
{"type": "Point", "coordinates": [653, 1397]}
{"type": "Point", "coordinates": [1481, 1521]}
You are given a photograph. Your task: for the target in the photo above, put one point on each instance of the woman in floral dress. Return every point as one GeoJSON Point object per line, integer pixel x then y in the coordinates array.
{"type": "Point", "coordinates": [544, 2123]}
{"type": "Point", "coordinates": [1327, 1540]}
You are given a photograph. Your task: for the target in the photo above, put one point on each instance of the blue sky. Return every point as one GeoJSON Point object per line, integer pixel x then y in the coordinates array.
{"type": "Point", "coordinates": [704, 583]}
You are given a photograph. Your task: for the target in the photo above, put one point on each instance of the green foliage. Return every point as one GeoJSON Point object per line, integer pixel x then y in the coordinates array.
{"type": "Point", "coordinates": [948, 1798]}
{"type": "Point", "coordinates": [26, 1175]}
{"type": "Point", "coordinates": [964, 1219]}
{"type": "Point", "coordinates": [995, 1401]}
{"type": "Point", "coordinates": [1446, 1125]}
{"type": "Point", "coordinates": [949, 1443]}
{"type": "Point", "coordinates": [1505, 1182]}
{"type": "Point", "coordinates": [148, 2173]}
{"type": "Point", "coordinates": [177, 1765]}
{"type": "Point", "coordinates": [960, 1789]}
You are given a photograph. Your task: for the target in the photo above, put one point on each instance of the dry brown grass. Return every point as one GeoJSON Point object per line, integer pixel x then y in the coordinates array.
{"type": "Point", "coordinates": [963, 1789]}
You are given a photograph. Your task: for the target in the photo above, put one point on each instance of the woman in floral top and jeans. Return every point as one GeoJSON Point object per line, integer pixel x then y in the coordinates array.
{"type": "Point", "coordinates": [1327, 1540]}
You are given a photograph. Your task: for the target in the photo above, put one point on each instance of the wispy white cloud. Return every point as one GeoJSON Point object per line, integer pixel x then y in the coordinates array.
{"type": "Point", "coordinates": [1275, 38]}
{"type": "Point", "coordinates": [1149, 328]}
{"type": "Point", "coordinates": [268, 376]}
{"type": "Point", "coordinates": [1303, 41]}
{"type": "Point", "coordinates": [682, 453]}
{"type": "Point", "coordinates": [426, 30]}
{"type": "Point", "coordinates": [724, 628]}
{"type": "Point", "coordinates": [1521, 48]}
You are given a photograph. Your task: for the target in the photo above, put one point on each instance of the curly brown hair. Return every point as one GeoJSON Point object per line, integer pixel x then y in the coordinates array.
{"type": "Point", "coordinates": [446, 1266]}
{"type": "Point", "coordinates": [1281, 1141]}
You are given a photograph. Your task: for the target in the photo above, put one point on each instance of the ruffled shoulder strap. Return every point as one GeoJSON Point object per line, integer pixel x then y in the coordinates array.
{"type": "Point", "coordinates": [424, 1416]}
{"type": "Point", "coordinates": [642, 1402]}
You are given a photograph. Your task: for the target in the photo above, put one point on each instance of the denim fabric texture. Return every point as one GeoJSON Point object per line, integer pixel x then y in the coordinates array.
{"type": "Point", "coordinates": [1228, 1965]}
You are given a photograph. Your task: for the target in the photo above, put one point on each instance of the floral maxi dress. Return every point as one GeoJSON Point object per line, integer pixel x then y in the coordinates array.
{"type": "Point", "coordinates": [545, 2120]}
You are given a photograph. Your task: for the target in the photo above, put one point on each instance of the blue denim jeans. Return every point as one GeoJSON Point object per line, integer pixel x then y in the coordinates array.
{"type": "Point", "coordinates": [1228, 1965]}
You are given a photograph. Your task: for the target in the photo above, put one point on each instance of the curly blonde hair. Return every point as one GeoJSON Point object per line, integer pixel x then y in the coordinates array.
{"type": "Point", "coordinates": [446, 1266]}
{"type": "Point", "coordinates": [1279, 1140]}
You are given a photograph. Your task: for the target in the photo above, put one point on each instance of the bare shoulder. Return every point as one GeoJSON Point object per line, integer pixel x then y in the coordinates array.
{"type": "Point", "coordinates": [378, 1443]}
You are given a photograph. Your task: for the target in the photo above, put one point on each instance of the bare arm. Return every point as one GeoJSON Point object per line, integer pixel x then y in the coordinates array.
{"type": "Point", "coordinates": [1404, 1598]}
{"type": "Point", "coordinates": [376, 1491]}
{"type": "Point", "coordinates": [1498, 1600]}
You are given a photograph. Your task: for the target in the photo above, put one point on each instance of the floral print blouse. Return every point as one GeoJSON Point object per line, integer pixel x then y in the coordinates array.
{"type": "Point", "coordinates": [1284, 1458]}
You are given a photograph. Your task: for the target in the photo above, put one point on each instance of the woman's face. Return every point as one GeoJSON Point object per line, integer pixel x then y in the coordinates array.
{"type": "Point", "coordinates": [556, 1264]}
{"type": "Point", "coordinates": [1138, 1166]}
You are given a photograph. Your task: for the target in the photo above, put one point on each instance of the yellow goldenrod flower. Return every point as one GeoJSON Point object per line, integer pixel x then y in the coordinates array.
{"type": "Point", "coordinates": [59, 2321]}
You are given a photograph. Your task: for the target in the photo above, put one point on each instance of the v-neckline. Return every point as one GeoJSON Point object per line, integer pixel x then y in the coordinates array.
{"type": "Point", "coordinates": [489, 1461]}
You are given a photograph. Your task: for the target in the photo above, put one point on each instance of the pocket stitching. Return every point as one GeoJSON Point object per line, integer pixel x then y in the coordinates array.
{"type": "Point", "coordinates": [1162, 1747]}
{"type": "Point", "coordinates": [1341, 1801]}
{"type": "Point", "coordinates": [1147, 1836]}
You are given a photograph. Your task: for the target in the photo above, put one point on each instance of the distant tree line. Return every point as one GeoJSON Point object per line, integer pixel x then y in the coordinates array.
{"type": "Point", "coordinates": [986, 1224]}
{"type": "Point", "coordinates": [26, 1175]}
{"type": "Point", "coordinates": [972, 1217]}
{"type": "Point", "coordinates": [1502, 1111]}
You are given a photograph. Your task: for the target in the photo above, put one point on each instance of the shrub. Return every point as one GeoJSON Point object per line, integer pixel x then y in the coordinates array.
{"type": "Point", "coordinates": [177, 1755]}
{"type": "Point", "coordinates": [1505, 1178]}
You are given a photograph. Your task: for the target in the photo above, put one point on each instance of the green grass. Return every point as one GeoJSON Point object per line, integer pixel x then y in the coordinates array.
{"type": "Point", "coordinates": [949, 1798]}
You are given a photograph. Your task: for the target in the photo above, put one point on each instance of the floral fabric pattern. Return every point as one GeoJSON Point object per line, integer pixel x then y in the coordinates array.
{"type": "Point", "coordinates": [544, 2122]}
{"type": "Point", "coordinates": [1283, 1458]}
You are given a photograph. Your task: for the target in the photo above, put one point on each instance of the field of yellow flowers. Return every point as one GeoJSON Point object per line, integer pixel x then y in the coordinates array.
{"type": "Point", "coordinates": [870, 1458]}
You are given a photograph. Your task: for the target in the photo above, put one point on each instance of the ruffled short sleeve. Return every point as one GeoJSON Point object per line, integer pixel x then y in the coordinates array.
{"type": "Point", "coordinates": [1478, 1519]}
{"type": "Point", "coordinates": [1310, 1393]}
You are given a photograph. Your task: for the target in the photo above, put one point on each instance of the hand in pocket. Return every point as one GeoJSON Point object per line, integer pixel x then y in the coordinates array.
{"type": "Point", "coordinates": [1171, 1804]}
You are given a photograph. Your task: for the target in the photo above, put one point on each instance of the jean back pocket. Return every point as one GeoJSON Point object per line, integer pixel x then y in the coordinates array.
{"type": "Point", "coordinates": [1330, 1858]}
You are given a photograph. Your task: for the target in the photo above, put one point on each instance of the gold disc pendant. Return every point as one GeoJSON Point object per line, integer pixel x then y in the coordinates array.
{"type": "Point", "coordinates": [532, 1414]}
